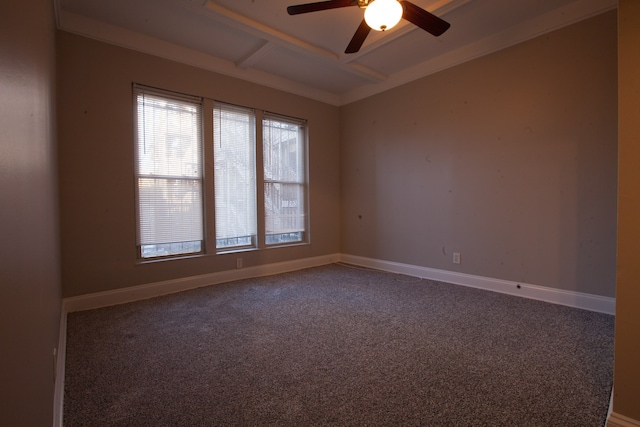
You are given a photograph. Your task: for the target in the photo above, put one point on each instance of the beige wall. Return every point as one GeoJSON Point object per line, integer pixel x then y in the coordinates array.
{"type": "Point", "coordinates": [514, 150]}
{"type": "Point", "coordinates": [96, 164]}
{"type": "Point", "coordinates": [29, 252]}
{"type": "Point", "coordinates": [509, 159]}
{"type": "Point", "coordinates": [626, 400]}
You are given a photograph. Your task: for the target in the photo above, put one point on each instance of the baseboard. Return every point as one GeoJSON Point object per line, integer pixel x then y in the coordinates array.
{"type": "Point", "coordinates": [557, 296]}
{"type": "Point", "coordinates": [135, 293]}
{"type": "Point", "coordinates": [58, 391]}
{"type": "Point", "coordinates": [617, 420]}
{"type": "Point", "coordinates": [120, 296]}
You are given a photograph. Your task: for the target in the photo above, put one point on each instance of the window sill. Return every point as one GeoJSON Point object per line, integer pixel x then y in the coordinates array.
{"type": "Point", "coordinates": [145, 261]}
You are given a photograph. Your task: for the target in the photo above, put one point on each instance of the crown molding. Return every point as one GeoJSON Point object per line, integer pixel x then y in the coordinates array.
{"type": "Point", "coordinates": [559, 18]}
{"type": "Point", "coordinates": [555, 20]}
{"type": "Point", "coordinates": [97, 30]}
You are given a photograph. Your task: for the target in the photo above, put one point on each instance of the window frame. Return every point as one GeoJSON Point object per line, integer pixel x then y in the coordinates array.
{"type": "Point", "coordinates": [254, 239]}
{"type": "Point", "coordinates": [302, 144]}
{"type": "Point", "coordinates": [207, 178]}
{"type": "Point", "coordinates": [168, 96]}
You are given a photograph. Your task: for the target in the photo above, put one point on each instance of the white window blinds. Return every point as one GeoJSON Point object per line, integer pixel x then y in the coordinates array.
{"type": "Point", "coordinates": [234, 176]}
{"type": "Point", "coordinates": [284, 141]}
{"type": "Point", "coordinates": [169, 172]}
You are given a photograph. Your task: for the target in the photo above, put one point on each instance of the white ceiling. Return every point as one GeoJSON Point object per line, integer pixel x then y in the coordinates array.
{"type": "Point", "coordinates": [256, 40]}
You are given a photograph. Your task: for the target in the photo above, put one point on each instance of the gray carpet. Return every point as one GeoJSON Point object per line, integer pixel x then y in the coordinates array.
{"type": "Point", "coordinates": [338, 346]}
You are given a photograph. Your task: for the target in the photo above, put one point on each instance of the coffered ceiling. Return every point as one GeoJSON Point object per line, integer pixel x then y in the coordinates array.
{"type": "Point", "coordinates": [256, 40]}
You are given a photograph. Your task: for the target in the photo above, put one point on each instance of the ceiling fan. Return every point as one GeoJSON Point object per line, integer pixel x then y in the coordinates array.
{"type": "Point", "coordinates": [379, 15]}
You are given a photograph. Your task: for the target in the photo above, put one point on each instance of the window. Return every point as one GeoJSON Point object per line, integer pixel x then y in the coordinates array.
{"type": "Point", "coordinates": [284, 179]}
{"type": "Point", "coordinates": [169, 173]}
{"type": "Point", "coordinates": [255, 187]}
{"type": "Point", "coordinates": [235, 176]}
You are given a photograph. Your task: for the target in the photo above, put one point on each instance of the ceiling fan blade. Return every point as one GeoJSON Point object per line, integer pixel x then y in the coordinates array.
{"type": "Point", "coordinates": [358, 38]}
{"type": "Point", "coordinates": [423, 19]}
{"type": "Point", "coordinates": [321, 5]}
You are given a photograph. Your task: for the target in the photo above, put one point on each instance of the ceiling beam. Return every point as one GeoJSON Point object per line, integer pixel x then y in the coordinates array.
{"type": "Point", "coordinates": [87, 27]}
{"type": "Point", "coordinates": [241, 22]}
{"type": "Point", "coordinates": [256, 56]}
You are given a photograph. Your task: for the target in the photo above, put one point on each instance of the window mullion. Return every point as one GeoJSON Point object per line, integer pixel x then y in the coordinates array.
{"type": "Point", "coordinates": [208, 170]}
{"type": "Point", "coordinates": [260, 179]}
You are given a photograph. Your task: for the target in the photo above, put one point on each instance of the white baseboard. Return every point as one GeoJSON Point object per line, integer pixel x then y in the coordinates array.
{"type": "Point", "coordinates": [120, 296]}
{"type": "Point", "coordinates": [58, 391]}
{"type": "Point", "coordinates": [134, 293]}
{"type": "Point", "coordinates": [617, 420]}
{"type": "Point", "coordinates": [557, 296]}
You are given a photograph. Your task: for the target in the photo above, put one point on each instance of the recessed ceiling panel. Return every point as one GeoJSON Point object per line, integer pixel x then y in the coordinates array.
{"type": "Point", "coordinates": [171, 21]}
{"type": "Point", "coordinates": [329, 29]}
{"type": "Point", "coordinates": [320, 74]}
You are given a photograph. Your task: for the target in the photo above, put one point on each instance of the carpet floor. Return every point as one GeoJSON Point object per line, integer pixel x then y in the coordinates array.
{"type": "Point", "coordinates": [338, 346]}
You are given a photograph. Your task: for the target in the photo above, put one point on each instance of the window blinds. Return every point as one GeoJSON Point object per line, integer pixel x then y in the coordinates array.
{"type": "Point", "coordinates": [234, 175]}
{"type": "Point", "coordinates": [169, 170]}
{"type": "Point", "coordinates": [284, 156]}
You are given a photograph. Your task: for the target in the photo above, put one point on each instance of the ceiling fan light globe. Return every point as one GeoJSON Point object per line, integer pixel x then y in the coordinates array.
{"type": "Point", "coordinates": [382, 15]}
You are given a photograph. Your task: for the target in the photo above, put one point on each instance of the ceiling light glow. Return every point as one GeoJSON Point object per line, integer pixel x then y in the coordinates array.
{"type": "Point", "coordinates": [382, 15]}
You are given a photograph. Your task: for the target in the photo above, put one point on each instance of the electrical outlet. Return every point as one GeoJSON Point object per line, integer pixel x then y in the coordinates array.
{"type": "Point", "coordinates": [238, 262]}
{"type": "Point", "coordinates": [456, 257]}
